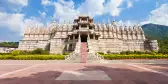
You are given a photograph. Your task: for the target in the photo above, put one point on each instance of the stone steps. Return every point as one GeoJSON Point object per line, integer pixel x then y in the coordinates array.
{"type": "Point", "coordinates": [83, 52]}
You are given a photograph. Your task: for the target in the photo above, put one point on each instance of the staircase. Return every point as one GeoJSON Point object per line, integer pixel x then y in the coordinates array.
{"type": "Point", "coordinates": [80, 54]}
{"type": "Point", "coordinates": [83, 52]}
{"type": "Point", "coordinates": [92, 55]}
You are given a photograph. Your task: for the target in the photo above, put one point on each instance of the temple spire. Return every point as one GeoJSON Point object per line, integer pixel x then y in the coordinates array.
{"type": "Point", "coordinates": [108, 21]}
{"type": "Point", "coordinates": [69, 22]}
{"type": "Point", "coordinates": [98, 22]}
{"type": "Point", "coordinates": [103, 21]}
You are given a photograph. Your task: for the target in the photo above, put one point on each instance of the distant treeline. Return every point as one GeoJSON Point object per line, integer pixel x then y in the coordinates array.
{"type": "Point", "coordinates": [9, 44]}
{"type": "Point", "coordinates": [163, 45]}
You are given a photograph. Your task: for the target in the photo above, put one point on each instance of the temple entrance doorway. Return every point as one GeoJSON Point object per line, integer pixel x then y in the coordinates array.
{"type": "Point", "coordinates": [83, 38]}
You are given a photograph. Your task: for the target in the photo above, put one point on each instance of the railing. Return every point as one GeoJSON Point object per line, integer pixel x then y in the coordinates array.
{"type": "Point", "coordinates": [72, 56]}
{"type": "Point", "coordinates": [99, 56]}
{"type": "Point", "coordinates": [92, 55]}
{"type": "Point", "coordinates": [69, 56]}
{"type": "Point", "coordinates": [75, 54]}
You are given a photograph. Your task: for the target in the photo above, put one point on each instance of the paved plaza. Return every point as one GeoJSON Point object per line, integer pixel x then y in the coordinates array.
{"type": "Point", "coordinates": [104, 72]}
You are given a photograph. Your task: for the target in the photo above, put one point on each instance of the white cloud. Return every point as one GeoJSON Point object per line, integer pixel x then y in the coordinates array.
{"type": "Point", "coordinates": [99, 7]}
{"type": "Point", "coordinates": [65, 10]}
{"type": "Point", "coordinates": [128, 22]}
{"type": "Point", "coordinates": [129, 4]}
{"type": "Point", "coordinates": [46, 2]}
{"type": "Point", "coordinates": [12, 21]}
{"type": "Point", "coordinates": [92, 7]}
{"type": "Point", "coordinates": [158, 16]}
{"type": "Point", "coordinates": [32, 21]}
{"type": "Point", "coordinates": [157, 4]}
{"type": "Point", "coordinates": [19, 2]}
{"type": "Point", "coordinates": [16, 22]}
{"type": "Point", "coordinates": [113, 8]}
{"type": "Point", "coordinates": [42, 14]}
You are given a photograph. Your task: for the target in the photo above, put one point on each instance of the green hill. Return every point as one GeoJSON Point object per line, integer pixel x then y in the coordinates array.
{"type": "Point", "coordinates": [158, 32]}
{"type": "Point", "coordinates": [154, 31]}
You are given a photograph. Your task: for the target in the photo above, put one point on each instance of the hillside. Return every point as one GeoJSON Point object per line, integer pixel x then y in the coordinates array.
{"type": "Point", "coordinates": [154, 31]}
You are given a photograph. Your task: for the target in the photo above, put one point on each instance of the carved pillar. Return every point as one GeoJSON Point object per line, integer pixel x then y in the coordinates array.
{"type": "Point", "coordinates": [79, 26]}
{"type": "Point", "coordinates": [88, 38]}
{"type": "Point", "coordinates": [67, 47]}
{"type": "Point", "coordinates": [94, 36]}
{"type": "Point", "coordinates": [73, 37]}
{"type": "Point", "coordinates": [79, 38]}
{"type": "Point", "coordinates": [68, 38]}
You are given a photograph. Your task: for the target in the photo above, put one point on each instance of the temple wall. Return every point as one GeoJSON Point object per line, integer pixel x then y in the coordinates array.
{"type": "Point", "coordinates": [33, 41]}
{"type": "Point", "coordinates": [112, 45]}
{"type": "Point", "coordinates": [56, 46]}
{"type": "Point", "coordinates": [113, 38]}
{"type": "Point", "coordinates": [116, 45]}
{"type": "Point", "coordinates": [32, 44]}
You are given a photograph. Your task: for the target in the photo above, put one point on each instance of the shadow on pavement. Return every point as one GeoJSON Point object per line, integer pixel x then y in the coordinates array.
{"type": "Point", "coordinates": [118, 76]}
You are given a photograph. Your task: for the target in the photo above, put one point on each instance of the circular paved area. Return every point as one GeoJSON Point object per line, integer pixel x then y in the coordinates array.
{"type": "Point", "coordinates": [52, 72]}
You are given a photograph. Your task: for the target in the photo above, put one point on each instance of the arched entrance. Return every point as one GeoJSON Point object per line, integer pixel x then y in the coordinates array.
{"type": "Point", "coordinates": [83, 38]}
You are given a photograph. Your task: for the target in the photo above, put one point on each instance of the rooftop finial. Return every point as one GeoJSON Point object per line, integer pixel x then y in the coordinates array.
{"type": "Point", "coordinates": [113, 18]}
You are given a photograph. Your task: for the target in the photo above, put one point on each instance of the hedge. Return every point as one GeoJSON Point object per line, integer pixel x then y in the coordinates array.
{"type": "Point", "coordinates": [32, 57]}
{"type": "Point", "coordinates": [134, 56]}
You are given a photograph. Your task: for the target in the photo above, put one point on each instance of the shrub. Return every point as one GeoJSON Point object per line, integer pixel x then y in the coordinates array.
{"type": "Point", "coordinates": [39, 51]}
{"type": "Point", "coordinates": [163, 51]}
{"type": "Point", "coordinates": [108, 52]}
{"type": "Point", "coordinates": [5, 53]}
{"type": "Point", "coordinates": [138, 52]}
{"type": "Point", "coordinates": [15, 52]}
{"type": "Point", "coordinates": [66, 53]}
{"type": "Point", "coordinates": [147, 56]}
{"type": "Point", "coordinates": [33, 57]}
{"type": "Point", "coordinates": [127, 52]}
{"type": "Point", "coordinates": [101, 53]}
{"type": "Point", "coordinates": [24, 52]}
{"type": "Point", "coordinates": [135, 52]}
{"type": "Point", "coordinates": [135, 56]}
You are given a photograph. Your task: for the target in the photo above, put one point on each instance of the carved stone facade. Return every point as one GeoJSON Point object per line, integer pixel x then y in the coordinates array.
{"type": "Point", "coordinates": [59, 38]}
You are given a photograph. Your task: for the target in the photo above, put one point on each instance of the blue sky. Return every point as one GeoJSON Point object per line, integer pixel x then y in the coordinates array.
{"type": "Point", "coordinates": [15, 15]}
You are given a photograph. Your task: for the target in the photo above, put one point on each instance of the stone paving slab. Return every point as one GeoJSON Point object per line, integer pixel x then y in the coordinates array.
{"type": "Point", "coordinates": [83, 75]}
